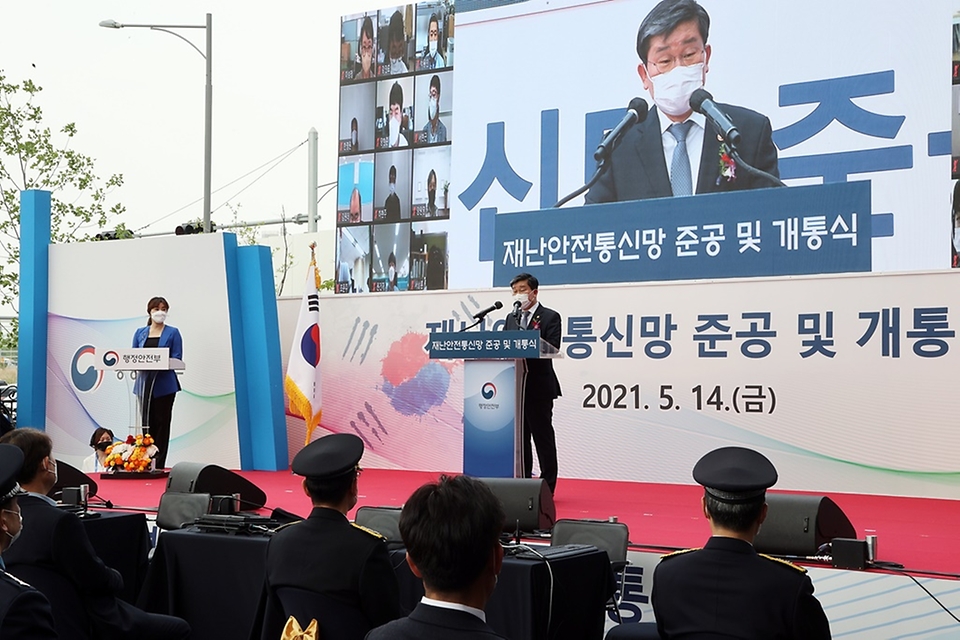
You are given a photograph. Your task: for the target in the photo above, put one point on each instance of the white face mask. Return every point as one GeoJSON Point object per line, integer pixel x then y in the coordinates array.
{"type": "Point", "coordinates": [13, 537]}
{"type": "Point", "coordinates": [672, 90]}
{"type": "Point", "coordinates": [54, 472]}
{"type": "Point", "coordinates": [523, 299]}
{"type": "Point", "coordinates": [956, 238]}
{"type": "Point", "coordinates": [353, 139]}
{"type": "Point", "coordinates": [158, 317]}
{"type": "Point", "coordinates": [432, 108]}
{"type": "Point", "coordinates": [393, 188]}
{"type": "Point", "coordinates": [394, 132]}
{"type": "Point", "coordinates": [397, 66]}
{"type": "Point", "coordinates": [390, 273]}
{"type": "Point", "coordinates": [433, 47]}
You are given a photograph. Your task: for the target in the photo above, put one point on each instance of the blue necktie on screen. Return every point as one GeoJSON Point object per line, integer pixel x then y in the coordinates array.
{"type": "Point", "coordinates": [681, 180]}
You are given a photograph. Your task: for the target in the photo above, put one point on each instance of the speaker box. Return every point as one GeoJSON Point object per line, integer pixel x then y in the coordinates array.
{"type": "Point", "coordinates": [797, 525]}
{"type": "Point", "coordinates": [526, 501]}
{"type": "Point", "coordinates": [68, 476]}
{"type": "Point", "coordinates": [383, 520]}
{"type": "Point", "coordinates": [200, 477]}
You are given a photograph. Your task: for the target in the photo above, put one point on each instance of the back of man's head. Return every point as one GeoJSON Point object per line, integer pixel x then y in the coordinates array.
{"type": "Point", "coordinates": [36, 446]}
{"type": "Point", "coordinates": [739, 517]}
{"type": "Point", "coordinates": [450, 529]}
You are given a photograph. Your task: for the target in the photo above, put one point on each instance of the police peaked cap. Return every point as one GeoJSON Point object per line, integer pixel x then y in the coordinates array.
{"type": "Point", "coordinates": [739, 474]}
{"type": "Point", "coordinates": [329, 457]}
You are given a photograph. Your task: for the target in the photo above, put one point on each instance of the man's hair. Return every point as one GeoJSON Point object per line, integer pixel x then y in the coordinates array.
{"type": "Point", "coordinates": [354, 124]}
{"type": "Point", "coordinates": [396, 95]}
{"type": "Point", "coordinates": [391, 259]}
{"type": "Point", "coordinates": [532, 281]}
{"type": "Point", "coordinates": [739, 516]}
{"type": "Point", "coordinates": [435, 84]}
{"type": "Point", "coordinates": [667, 16]}
{"type": "Point", "coordinates": [396, 27]}
{"type": "Point", "coordinates": [366, 29]}
{"type": "Point", "coordinates": [449, 528]}
{"type": "Point", "coordinates": [98, 433]}
{"type": "Point", "coordinates": [393, 173]}
{"type": "Point", "coordinates": [330, 490]}
{"type": "Point", "coordinates": [36, 446]}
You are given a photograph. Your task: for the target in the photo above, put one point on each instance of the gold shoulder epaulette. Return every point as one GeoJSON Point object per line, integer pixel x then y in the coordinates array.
{"type": "Point", "coordinates": [679, 553]}
{"type": "Point", "coordinates": [288, 524]}
{"type": "Point", "coordinates": [785, 563]}
{"type": "Point", "coordinates": [376, 534]}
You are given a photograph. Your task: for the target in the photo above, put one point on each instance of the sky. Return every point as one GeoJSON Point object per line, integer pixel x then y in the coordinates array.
{"type": "Point", "coordinates": [137, 99]}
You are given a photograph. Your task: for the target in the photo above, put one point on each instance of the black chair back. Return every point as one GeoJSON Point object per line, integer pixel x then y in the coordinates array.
{"type": "Point", "coordinates": [335, 620]}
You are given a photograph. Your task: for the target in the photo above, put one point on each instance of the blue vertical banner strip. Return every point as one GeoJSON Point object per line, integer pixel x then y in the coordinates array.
{"type": "Point", "coordinates": [489, 403]}
{"type": "Point", "coordinates": [266, 437]}
{"type": "Point", "coordinates": [234, 289]}
{"type": "Point", "coordinates": [34, 286]}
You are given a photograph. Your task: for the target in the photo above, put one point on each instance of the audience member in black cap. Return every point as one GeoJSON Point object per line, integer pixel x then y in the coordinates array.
{"type": "Point", "coordinates": [727, 589]}
{"type": "Point", "coordinates": [451, 530]}
{"type": "Point", "coordinates": [24, 612]}
{"type": "Point", "coordinates": [58, 542]}
{"type": "Point", "coordinates": [325, 567]}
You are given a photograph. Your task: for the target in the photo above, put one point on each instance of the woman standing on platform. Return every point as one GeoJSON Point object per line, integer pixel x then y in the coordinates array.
{"type": "Point", "coordinates": [158, 407]}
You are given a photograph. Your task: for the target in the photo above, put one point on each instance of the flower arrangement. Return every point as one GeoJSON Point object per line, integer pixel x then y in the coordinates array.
{"type": "Point", "coordinates": [728, 166]}
{"type": "Point", "coordinates": [135, 454]}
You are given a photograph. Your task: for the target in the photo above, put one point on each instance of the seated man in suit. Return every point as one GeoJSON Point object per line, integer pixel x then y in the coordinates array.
{"type": "Point", "coordinates": [681, 154]}
{"type": "Point", "coordinates": [58, 541]}
{"type": "Point", "coordinates": [346, 565]}
{"type": "Point", "coordinates": [24, 611]}
{"type": "Point", "coordinates": [727, 589]}
{"type": "Point", "coordinates": [451, 529]}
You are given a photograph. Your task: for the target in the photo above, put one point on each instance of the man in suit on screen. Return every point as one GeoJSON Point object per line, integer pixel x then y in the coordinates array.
{"type": "Point", "coordinates": [541, 386]}
{"type": "Point", "coordinates": [675, 151]}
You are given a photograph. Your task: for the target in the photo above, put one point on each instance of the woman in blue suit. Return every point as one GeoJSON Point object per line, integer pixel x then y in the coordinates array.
{"type": "Point", "coordinates": [158, 408]}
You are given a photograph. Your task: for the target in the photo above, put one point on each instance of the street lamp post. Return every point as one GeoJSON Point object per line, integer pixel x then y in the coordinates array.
{"type": "Point", "coordinates": [208, 95]}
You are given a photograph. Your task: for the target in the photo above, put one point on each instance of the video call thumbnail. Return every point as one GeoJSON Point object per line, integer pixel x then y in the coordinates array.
{"type": "Point", "coordinates": [357, 126]}
{"type": "Point", "coordinates": [396, 50]}
{"type": "Point", "coordinates": [390, 266]}
{"type": "Point", "coordinates": [355, 189]}
{"type": "Point", "coordinates": [434, 108]}
{"type": "Point", "coordinates": [434, 36]}
{"type": "Point", "coordinates": [431, 183]}
{"type": "Point", "coordinates": [358, 47]}
{"type": "Point", "coordinates": [391, 186]}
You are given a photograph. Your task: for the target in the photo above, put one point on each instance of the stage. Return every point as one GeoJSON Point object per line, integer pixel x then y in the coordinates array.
{"type": "Point", "coordinates": [918, 533]}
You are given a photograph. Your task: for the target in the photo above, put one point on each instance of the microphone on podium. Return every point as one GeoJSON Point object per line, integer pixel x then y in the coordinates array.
{"type": "Point", "coordinates": [480, 315]}
{"type": "Point", "coordinates": [702, 102]}
{"type": "Point", "coordinates": [636, 112]}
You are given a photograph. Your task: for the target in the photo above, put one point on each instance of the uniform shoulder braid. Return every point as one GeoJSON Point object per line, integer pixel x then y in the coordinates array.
{"type": "Point", "coordinates": [375, 534]}
{"type": "Point", "coordinates": [678, 553]}
{"type": "Point", "coordinates": [783, 562]}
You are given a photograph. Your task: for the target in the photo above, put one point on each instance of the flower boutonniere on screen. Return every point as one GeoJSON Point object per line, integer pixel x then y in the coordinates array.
{"type": "Point", "coordinates": [728, 167]}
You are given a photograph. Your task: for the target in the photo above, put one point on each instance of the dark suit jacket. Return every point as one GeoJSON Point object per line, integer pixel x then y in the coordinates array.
{"type": "Point", "coordinates": [728, 589]}
{"type": "Point", "coordinates": [56, 540]}
{"type": "Point", "coordinates": [166, 381]}
{"type": "Point", "coordinates": [327, 554]}
{"type": "Point", "coordinates": [541, 382]}
{"type": "Point", "coordinates": [638, 170]}
{"type": "Point", "coordinates": [427, 622]}
{"type": "Point", "coordinates": [392, 205]}
{"type": "Point", "coordinates": [24, 612]}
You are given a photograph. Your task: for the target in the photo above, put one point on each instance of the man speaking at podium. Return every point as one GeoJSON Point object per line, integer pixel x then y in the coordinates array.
{"type": "Point", "coordinates": [675, 151]}
{"type": "Point", "coordinates": [541, 387]}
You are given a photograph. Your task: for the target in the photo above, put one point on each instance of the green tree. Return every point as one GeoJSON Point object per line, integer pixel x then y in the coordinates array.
{"type": "Point", "coordinates": [33, 157]}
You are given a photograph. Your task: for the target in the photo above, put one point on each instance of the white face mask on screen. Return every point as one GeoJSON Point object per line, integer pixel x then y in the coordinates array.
{"type": "Point", "coordinates": [672, 90]}
{"type": "Point", "coordinates": [158, 317]}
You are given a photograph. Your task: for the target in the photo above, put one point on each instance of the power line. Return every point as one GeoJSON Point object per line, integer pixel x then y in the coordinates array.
{"type": "Point", "coordinates": [280, 157]}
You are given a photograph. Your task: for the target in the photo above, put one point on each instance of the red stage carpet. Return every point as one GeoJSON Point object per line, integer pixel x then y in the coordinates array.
{"type": "Point", "coordinates": [918, 533]}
